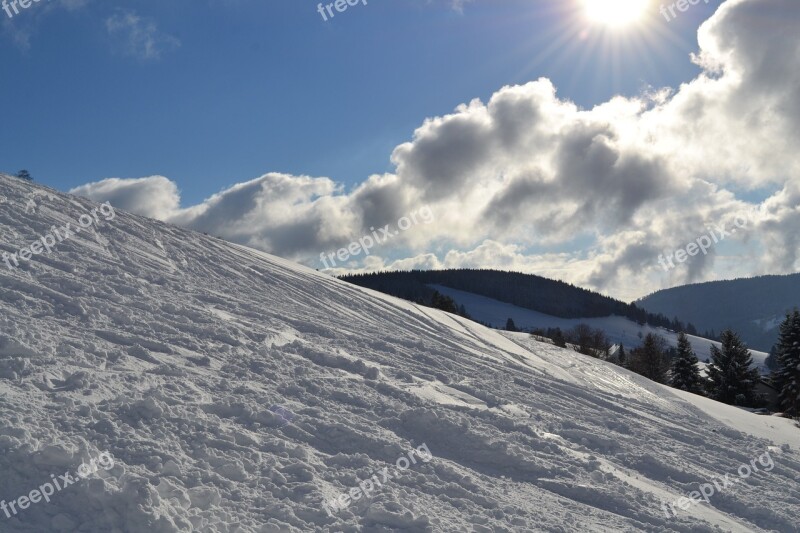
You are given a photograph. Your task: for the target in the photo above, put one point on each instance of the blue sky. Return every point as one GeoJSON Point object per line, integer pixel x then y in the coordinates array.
{"type": "Point", "coordinates": [541, 138]}
{"type": "Point", "coordinates": [214, 92]}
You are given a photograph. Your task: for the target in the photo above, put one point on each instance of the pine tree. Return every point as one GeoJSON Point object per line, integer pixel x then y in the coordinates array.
{"type": "Point", "coordinates": [24, 175]}
{"type": "Point", "coordinates": [787, 378]}
{"type": "Point", "coordinates": [558, 338]}
{"type": "Point", "coordinates": [650, 359]}
{"type": "Point", "coordinates": [685, 374]}
{"type": "Point", "coordinates": [732, 378]}
{"type": "Point", "coordinates": [621, 355]}
{"type": "Point", "coordinates": [445, 303]}
{"type": "Point", "coordinates": [772, 362]}
{"type": "Point", "coordinates": [510, 326]}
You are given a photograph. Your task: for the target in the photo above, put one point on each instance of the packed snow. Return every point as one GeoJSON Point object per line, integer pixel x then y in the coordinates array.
{"type": "Point", "coordinates": [239, 392]}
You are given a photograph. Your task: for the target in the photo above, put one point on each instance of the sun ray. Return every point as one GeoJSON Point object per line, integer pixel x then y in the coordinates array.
{"type": "Point", "coordinates": [615, 13]}
{"type": "Point", "coordinates": [603, 52]}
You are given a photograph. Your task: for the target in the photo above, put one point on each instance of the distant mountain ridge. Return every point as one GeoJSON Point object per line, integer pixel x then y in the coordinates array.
{"type": "Point", "coordinates": [528, 291]}
{"type": "Point", "coordinates": [618, 330]}
{"type": "Point", "coordinates": [753, 307]}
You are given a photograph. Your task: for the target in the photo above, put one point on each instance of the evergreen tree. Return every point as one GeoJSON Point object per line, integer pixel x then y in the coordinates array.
{"type": "Point", "coordinates": [445, 303]}
{"type": "Point", "coordinates": [787, 378]}
{"type": "Point", "coordinates": [558, 338]}
{"type": "Point", "coordinates": [621, 355]}
{"type": "Point", "coordinates": [24, 175]}
{"type": "Point", "coordinates": [732, 378]}
{"type": "Point", "coordinates": [510, 326]}
{"type": "Point", "coordinates": [685, 374]}
{"type": "Point", "coordinates": [672, 353]}
{"type": "Point", "coordinates": [772, 362]}
{"type": "Point", "coordinates": [650, 359]}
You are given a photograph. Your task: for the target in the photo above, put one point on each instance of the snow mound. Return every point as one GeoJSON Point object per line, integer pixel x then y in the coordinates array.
{"type": "Point", "coordinates": [239, 392]}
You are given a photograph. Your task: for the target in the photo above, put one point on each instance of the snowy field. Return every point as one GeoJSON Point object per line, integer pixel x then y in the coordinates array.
{"type": "Point", "coordinates": [619, 329]}
{"type": "Point", "coordinates": [238, 392]}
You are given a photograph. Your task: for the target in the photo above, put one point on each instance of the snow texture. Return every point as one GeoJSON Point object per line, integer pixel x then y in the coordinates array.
{"type": "Point", "coordinates": [237, 392]}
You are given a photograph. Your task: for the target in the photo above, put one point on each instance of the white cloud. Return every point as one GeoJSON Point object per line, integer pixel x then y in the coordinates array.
{"type": "Point", "coordinates": [140, 37]}
{"type": "Point", "coordinates": [458, 5]}
{"type": "Point", "coordinates": [154, 197]}
{"type": "Point", "coordinates": [530, 182]}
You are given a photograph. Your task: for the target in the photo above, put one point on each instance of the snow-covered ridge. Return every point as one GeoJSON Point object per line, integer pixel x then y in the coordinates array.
{"type": "Point", "coordinates": [237, 391]}
{"type": "Point", "coordinates": [620, 330]}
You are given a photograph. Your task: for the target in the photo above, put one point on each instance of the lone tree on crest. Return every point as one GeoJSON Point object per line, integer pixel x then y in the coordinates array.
{"type": "Point", "coordinates": [24, 175]}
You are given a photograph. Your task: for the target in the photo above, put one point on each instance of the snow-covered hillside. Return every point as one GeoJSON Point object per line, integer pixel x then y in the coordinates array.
{"type": "Point", "coordinates": [619, 330]}
{"type": "Point", "coordinates": [238, 392]}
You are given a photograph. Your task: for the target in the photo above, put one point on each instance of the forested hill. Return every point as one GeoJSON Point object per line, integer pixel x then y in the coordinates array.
{"type": "Point", "coordinates": [752, 307]}
{"type": "Point", "coordinates": [529, 291]}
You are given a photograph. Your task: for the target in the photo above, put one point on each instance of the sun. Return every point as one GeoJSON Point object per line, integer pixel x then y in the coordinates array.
{"type": "Point", "coordinates": [615, 13]}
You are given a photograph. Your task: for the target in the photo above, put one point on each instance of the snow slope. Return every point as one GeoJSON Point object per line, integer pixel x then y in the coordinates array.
{"type": "Point", "coordinates": [238, 392]}
{"type": "Point", "coordinates": [619, 330]}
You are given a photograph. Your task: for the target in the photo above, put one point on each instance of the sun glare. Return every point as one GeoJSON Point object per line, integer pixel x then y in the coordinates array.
{"type": "Point", "coordinates": [615, 13]}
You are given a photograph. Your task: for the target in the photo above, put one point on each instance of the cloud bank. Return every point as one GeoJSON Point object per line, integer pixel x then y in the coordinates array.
{"type": "Point", "coordinates": [528, 181]}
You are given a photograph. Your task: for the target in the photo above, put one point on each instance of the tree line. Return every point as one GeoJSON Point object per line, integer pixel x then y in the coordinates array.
{"type": "Point", "coordinates": [730, 377]}
{"type": "Point", "coordinates": [552, 297]}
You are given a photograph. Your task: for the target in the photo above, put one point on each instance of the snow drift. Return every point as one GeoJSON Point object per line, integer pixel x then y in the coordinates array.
{"type": "Point", "coordinates": [238, 392]}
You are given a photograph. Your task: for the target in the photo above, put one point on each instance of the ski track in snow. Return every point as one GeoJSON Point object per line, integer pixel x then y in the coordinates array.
{"type": "Point", "coordinates": [168, 349]}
